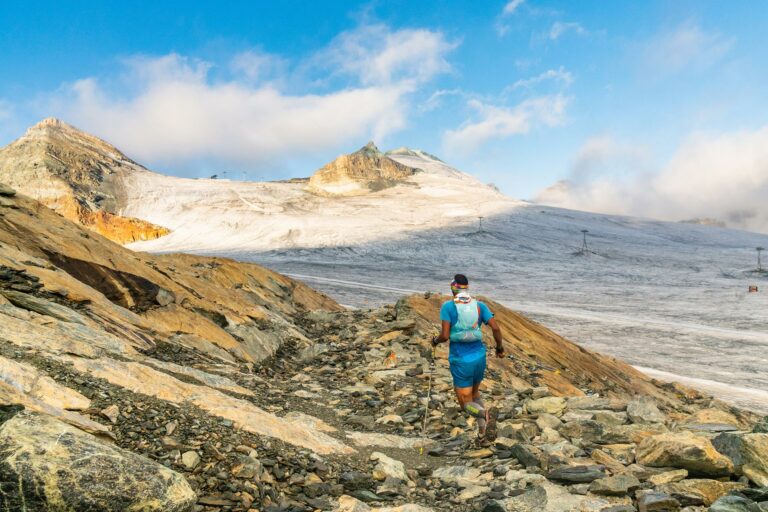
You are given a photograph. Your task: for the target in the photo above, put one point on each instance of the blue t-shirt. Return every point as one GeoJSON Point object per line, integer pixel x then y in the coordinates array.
{"type": "Point", "coordinates": [465, 351]}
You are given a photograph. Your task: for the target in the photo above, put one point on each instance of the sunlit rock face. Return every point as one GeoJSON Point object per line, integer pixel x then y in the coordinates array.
{"type": "Point", "coordinates": [364, 171]}
{"type": "Point", "coordinates": [78, 175]}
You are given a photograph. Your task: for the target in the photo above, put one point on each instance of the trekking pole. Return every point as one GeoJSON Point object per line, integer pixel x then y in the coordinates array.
{"type": "Point", "coordinates": [429, 398]}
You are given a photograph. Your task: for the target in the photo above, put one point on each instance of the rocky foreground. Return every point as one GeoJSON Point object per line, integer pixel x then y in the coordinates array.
{"type": "Point", "coordinates": [138, 382]}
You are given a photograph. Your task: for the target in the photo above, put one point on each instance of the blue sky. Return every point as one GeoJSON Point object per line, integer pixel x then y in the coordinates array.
{"type": "Point", "coordinates": [609, 106]}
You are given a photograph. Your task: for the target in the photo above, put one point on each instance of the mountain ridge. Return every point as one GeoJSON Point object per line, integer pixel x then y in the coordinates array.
{"type": "Point", "coordinates": [78, 175]}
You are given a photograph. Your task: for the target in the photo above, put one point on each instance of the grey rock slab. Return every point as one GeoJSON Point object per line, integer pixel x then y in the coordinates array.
{"type": "Point", "coordinates": [49, 465]}
{"type": "Point", "coordinates": [734, 504]}
{"type": "Point", "coordinates": [644, 410]}
{"type": "Point", "coordinates": [649, 501]}
{"type": "Point", "coordinates": [577, 474]}
{"type": "Point", "coordinates": [42, 306]}
{"type": "Point", "coordinates": [618, 485]}
{"type": "Point", "coordinates": [532, 500]}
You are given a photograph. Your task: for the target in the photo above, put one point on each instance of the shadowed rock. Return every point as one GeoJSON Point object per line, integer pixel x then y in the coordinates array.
{"type": "Point", "coordinates": [48, 465]}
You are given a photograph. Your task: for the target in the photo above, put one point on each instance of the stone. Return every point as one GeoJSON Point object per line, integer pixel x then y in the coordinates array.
{"type": "Point", "coordinates": [388, 440]}
{"type": "Point", "coordinates": [388, 467]}
{"type": "Point", "coordinates": [534, 499]}
{"type": "Point", "coordinates": [698, 492]}
{"type": "Point", "coordinates": [250, 468]}
{"type": "Point", "coordinates": [650, 501]}
{"type": "Point", "coordinates": [735, 504]}
{"type": "Point", "coordinates": [577, 474]}
{"type": "Point", "coordinates": [554, 405]}
{"type": "Point", "coordinates": [633, 433]}
{"type": "Point", "coordinates": [42, 307]}
{"type": "Point", "coordinates": [611, 417]}
{"type": "Point", "coordinates": [354, 480]}
{"type": "Point", "coordinates": [618, 485]}
{"type": "Point", "coordinates": [190, 459]}
{"type": "Point", "coordinates": [749, 453]}
{"type": "Point", "coordinates": [712, 416]}
{"type": "Point", "coordinates": [605, 459]}
{"type": "Point", "coordinates": [165, 297]}
{"type": "Point", "coordinates": [546, 420]}
{"type": "Point", "coordinates": [529, 456]}
{"type": "Point", "coordinates": [595, 403]}
{"type": "Point", "coordinates": [587, 430]}
{"type": "Point", "coordinates": [111, 413]}
{"type": "Point", "coordinates": [46, 464]}
{"type": "Point", "coordinates": [463, 476]}
{"type": "Point", "coordinates": [348, 503]}
{"type": "Point", "coordinates": [683, 450]}
{"type": "Point", "coordinates": [6, 191]}
{"type": "Point", "coordinates": [482, 453]}
{"type": "Point", "coordinates": [390, 419]}
{"type": "Point", "coordinates": [668, 477]}
{"type": "Point", "coordinates": [644, 410]}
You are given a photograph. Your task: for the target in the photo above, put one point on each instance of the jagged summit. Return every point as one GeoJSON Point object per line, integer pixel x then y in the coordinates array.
{"type": "Point", "coordinates": [366, 170]}
{"type": "Point", "coordinates": [77, 174]}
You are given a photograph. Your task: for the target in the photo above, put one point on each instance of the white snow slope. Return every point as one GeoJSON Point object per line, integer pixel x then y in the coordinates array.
{"type": "Point", "coordinates": [667, 296]}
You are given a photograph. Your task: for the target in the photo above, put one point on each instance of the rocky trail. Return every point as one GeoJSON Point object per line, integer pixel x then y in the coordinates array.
{"type": "Point", "coordinates": [138, 382]}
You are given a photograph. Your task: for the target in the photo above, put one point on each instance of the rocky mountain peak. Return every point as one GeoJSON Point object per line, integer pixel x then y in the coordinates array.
{"type": "Point", "coordinates": [77, 174]}
{"type": "Point", "coordinates": [364, 171]}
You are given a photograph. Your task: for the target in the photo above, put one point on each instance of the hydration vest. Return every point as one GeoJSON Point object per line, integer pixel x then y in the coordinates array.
{"type": "Point", "coordinates": [467, 326]}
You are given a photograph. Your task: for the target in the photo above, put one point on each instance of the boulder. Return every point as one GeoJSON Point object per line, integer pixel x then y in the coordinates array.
{"type": "Point", "coordinates": [735, 504]}
{"type": "Point", "coordinates": [529, 456]}
{"type": "Point", "coordinates": [713, 417]}
{"type": "Point", "coordinates": [749, 453]}
{"type": "Point", "coordinates": [651, 501]}
{"type": "Point", "coordinates": [667, 477]}
{"type": "Point", "coordinates": [635, 433]}
{"type": "Point", "coordinates": [587, 430]}
{"type": "Point", "coordinates": [683, 450]}
{"type": "Point", "coordinates": [546, 420]}
{"type": "Point", "coordinates": [618, 485]}
{"type": "Point", "coordinates": [534, 499]}
{"type": "Point", "coordinates": [388, 467]}
{"type": "Point", "coordinates": [48, 465]}
{"type": "Point", "coordinates": [577, 474]}
{"type": "Point", "coordinates": [699, 492]}
{"type": "Point", "coordinates": [595, 403]}
{"type": "Point", "coordinates": [644, 410]}
{"type": "Point", "coordinates": [463, 476]}
{"type": "Point", "coordinates": [554, 405]}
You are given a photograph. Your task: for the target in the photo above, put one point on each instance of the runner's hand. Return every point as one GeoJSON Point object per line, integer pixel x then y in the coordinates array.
{"type": "Point", "coordinates": [499, 351]}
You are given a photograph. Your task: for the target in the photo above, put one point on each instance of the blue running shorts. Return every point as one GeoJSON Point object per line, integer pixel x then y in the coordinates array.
{"type": "Point", "coordinates": [467, 373]}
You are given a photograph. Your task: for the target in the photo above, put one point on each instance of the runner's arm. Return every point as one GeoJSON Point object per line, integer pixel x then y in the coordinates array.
{"type": "Point", "coordinates": [497, 337]}
{"type": "Point", "coordinates": [445, 333]}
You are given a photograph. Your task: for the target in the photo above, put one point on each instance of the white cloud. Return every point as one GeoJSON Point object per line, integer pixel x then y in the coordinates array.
{"type": "Point", "coordinates": [177, 114]}
{"type": "Point", "coordinates": [379, 56]}
{"type": "Point", "coordinates": [722, 176]}
{"type": "Point", "coordinates": [500, 122]}
{"type": "Point", "coordinates": [685, 46]}
{"type": "Point", "coordinates": [257, 65]}
{"type": "Point", "coordinates": [511, 7]}
{"type": "Point", "coordinates": [560, 28]}
{"type": "Point", "coordinates": [557, 75]}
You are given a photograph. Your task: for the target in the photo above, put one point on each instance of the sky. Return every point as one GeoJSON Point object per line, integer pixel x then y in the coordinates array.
{"type": "Point", "coordinates": [653, 108]}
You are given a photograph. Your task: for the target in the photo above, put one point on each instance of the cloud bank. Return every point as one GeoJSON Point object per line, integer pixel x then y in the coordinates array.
{"type": "Point", "coordinates": [495, 122]}
{"type": "Point", "coordinates": [711, 176]}
{"type": "Point", "coordinates": [172, 109]}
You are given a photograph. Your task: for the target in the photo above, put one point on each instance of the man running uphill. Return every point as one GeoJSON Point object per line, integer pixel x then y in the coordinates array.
{"type": "Point", "coordinates": [462, 319]}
